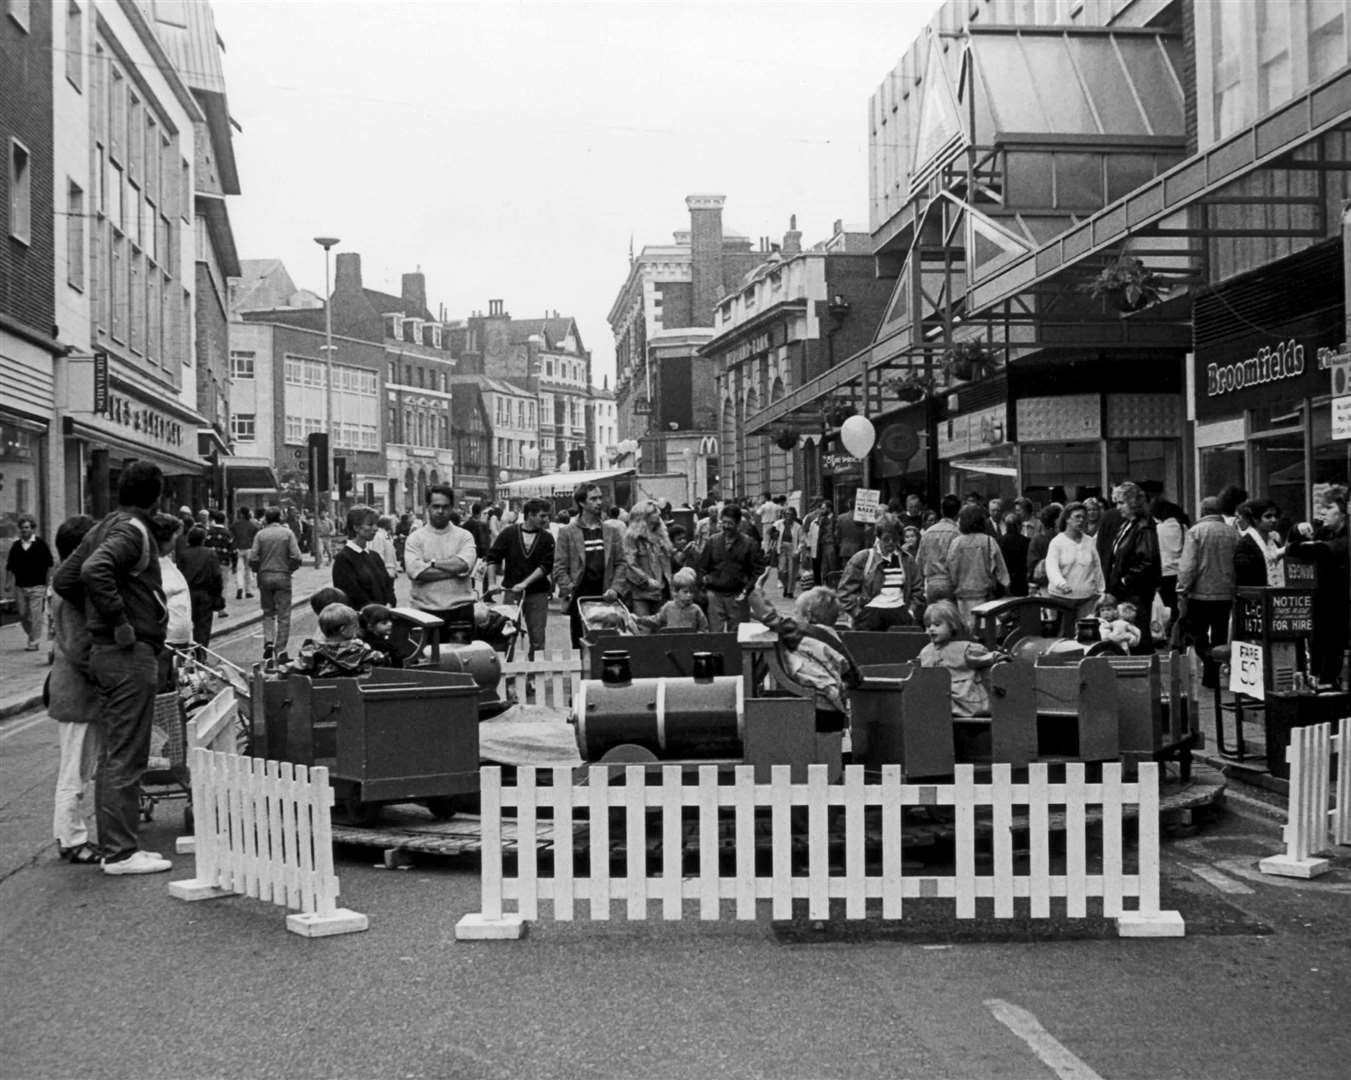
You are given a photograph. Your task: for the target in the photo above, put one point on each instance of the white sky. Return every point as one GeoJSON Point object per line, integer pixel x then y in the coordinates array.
{"type": "Point", "coordinates": [509, 149]}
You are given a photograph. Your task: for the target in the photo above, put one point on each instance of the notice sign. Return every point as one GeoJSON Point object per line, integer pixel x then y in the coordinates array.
{"type": "Point", "coordinates": [1289, 614]}
{"type": "Point", "coordinates": [1245, 670]}
{"type": "Point", "coordinates": [866, 501]}
{"type": "Point", "coordinates": [1341, 417]}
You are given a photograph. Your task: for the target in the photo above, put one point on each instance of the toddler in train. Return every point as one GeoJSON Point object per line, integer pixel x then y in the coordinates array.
{"type": "Point", "coordinates": [813, 652]}
{"type": "Point", "coordinates": [1116, 622]}
{"type": "Point", "coordinates": [680, 612]}
{"type": "Point", "coordinates": [341, 653]}
{"type": "Point", "coordinates": [966, 660]}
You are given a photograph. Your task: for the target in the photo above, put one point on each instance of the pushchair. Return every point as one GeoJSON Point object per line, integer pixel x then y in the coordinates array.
{"type": "Point", "coordinates": [198, 676]}
{"type": "Point", "coordinates": [597, 613]}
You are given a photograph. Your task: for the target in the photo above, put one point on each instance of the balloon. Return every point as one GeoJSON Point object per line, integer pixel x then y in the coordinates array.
{"type": "Point", "coordinates": [858, 435]}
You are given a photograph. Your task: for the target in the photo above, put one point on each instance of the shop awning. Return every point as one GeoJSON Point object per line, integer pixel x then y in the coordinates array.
{"type": "Point", "coordinates": [986, 466]}
{"type": "Point", "coordinates": [250, 473]}
{"type": "Point", "coordinates": [563, 483]}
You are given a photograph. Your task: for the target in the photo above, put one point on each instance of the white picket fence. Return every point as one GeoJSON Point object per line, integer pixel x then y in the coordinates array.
{"type": "Point", "coordinates": [593, 896]}
{"type": "Point", "coordinates": [263, 830]}
{"type": "Point", "coordinates": [551, 680]}
{"type": "Point", "coordinates": [1315, 824]}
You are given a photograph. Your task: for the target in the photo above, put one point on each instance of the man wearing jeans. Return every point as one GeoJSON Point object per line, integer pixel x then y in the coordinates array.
{"type": "Point", "coordinates": [274, 557]}
{"type": "Point", "coordinates": [115, 573]}
{"type": "Point", "coordinates": [28, 566]}
{"type": "Point", "coordinates": [729, 563]}
{"type": "Point", "coordinates": [526, 551]}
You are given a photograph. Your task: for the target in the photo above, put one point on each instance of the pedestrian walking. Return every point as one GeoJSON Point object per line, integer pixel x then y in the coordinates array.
{"type": "Point", "coordinates": [975, 564]}
{"type": "Point", "coordinates": [274, 557]}
{"type": "Point", "coordinates": [382, 543]}
{"type": "Point", "coordinates": [881, 586]}
{"type": "Point", "coordinates": [359, 570]}
{"type": "Point", "coordinates": [647, 559]}
{"type": "Point", "coordinates": [115, 574]}
{"type": "Point", "coordinates": [589, 558]}
{"type": "Point", "coordinates": [201, 570]}
{"type": "Point", "coordinates": [790, 540]}
{"type": "Point", "coordinates": [28, 572]}
{"type": "Point", "coordinates": [1071, 567]}
{"type": "Point", "coordinates": [221, 540]}
{"type": "Point", "coordinates": [1135, 567]}
{"type": "Point", "coordinates": [729, 565]}
{"type": "Point", "coordinates": [243, 529]}
{"type": "Point", "coordinates": [932, 555]}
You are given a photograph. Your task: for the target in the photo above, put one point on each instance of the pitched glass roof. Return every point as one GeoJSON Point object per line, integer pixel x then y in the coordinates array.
{"type": "Point", "coordinates": [1076, 81]}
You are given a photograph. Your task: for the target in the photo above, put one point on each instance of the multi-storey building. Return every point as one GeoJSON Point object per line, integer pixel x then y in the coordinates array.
{"type": "Point", "coordinates": [188, 32]}
{"type": "Point", "coordinates": [1196, 149]}
{"type": "Point", "coordinates": [665, 394]}
{"type": "Point", "coordinates": [604, 431]}
{"type": "Point", "coordinates": [513, 416]}
{"type": "Point", "coordinates": [545, 357]}
{"type": "Point", "coordinates": [472, 443]}
{"type": "Point", "coordinates": [785, 323]}
{"type": "Point", "coordinates": [279, 396]}
{"type": "Point", "coordinates": [29, 345]}
{"type": "Point", "coordinates": [126, 124]}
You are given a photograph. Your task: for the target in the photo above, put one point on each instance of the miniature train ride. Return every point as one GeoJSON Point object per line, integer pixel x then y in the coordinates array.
{"type": "Point", "coordinates": [413, 734]}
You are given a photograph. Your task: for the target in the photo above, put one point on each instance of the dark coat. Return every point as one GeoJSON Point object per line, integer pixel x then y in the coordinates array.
{"type": "Point", "coordinates": [363, 577]}
{"type": "Point", "coordinates": [1136, 567]}
{"type": "Point", "coordinates": [1250, 564]}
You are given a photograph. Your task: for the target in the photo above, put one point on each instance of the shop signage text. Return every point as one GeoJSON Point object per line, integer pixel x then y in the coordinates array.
{"type": "Point", "coordinates": [840, 463]}
{"type": "Point", "coordinates": [144, 420]}
{"type": "Point", "coordinates": [1285, 361]}
{"type": "Point", "coordinates": [737, 353]}
{"type": "Point", "coordinates": [100, 381]}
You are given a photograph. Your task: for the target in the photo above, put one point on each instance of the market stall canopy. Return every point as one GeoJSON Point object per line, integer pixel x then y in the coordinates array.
{"type": "Point", "coordinates": [563, 483]}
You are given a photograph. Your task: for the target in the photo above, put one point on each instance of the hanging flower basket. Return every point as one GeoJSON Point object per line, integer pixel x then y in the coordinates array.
{"type": "Point", "coordinates": [968, 360]}
{"type": "Point", "coordinates": [838, 412]}
{"type": "Point", "coordinates": [786, 441]}
{"type": "Point", "coordinates": [1127, 284]}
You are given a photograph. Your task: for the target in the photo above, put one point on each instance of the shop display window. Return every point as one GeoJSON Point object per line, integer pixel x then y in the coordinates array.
{"type": "Point", "coordinates": [1278, 471]}
{"type": "Point", "coordinates": [1146, 461]}
{"type": "Point", "coordinates": [1330, 458]}
{"type": "Point", "coordinates": [1071, 466]}
{"type": "Point", "coordinates": [1220, 466]}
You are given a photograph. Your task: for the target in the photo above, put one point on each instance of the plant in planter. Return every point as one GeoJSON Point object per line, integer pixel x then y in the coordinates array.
{"type": "Point", "coordinates": [968, 360]}
{"type": "Point", "coordinates": [1127, 283]}
{"type": "Point", "coordinates": [908, 388]}
{"type": "Point", "coordinates": [786, 440]}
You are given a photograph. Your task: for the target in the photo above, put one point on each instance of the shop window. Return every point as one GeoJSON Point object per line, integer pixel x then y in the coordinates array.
{"type": "Point", "coordinates": [1220, 466]}
{"type": "Point", "coordinates": [1073, 467]}
{"type": "Point", "coordinates": [1329, 457]}
{"type": "Point", "coordinates": [1153, 463]}
{"type": "Point", "coordinates": [1278, 471]}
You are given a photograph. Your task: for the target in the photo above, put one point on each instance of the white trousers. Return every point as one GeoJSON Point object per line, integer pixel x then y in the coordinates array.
{"type": "Point", "coordinates": [79, 759]}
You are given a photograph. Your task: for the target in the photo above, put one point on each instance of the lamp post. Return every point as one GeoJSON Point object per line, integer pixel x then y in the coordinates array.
{"type": "Point", "coordinates": [327, 242]}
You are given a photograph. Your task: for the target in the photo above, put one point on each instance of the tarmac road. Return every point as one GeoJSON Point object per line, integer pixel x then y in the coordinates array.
{"type": "Point", "coordinates": [108, 977]}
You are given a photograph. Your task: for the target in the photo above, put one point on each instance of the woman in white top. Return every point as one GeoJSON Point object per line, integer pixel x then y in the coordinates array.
{"type": "Point", "coordinates": [175, 585]}
{"type": "Point", "coordinates": [1072, 566]}
{"type": "Point", "coordinates": [1170, 525]}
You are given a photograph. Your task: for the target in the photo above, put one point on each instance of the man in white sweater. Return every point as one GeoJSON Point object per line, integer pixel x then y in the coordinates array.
{"type": "Point", "coordinates": [440, 558]}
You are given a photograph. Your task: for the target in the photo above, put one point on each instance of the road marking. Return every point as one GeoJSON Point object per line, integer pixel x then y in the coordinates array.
{"type": "Point", "coordinates": [18, 727]}
{"type": "Point", "coordinates": [1052, 1053]}
{"type": "Point", "coordinates": [1221, 881]}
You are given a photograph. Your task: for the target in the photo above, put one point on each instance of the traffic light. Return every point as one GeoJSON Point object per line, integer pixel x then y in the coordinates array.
{"type": "Point", "coordinates": [318, 471]}
{"type": "Point", "coordinates": [344, 478]}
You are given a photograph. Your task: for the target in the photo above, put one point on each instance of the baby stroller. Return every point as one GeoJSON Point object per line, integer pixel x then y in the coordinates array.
{"type": "Point", "coordinates": [198, 676]}
{"type": "Point", "coordinates": [597, 613]}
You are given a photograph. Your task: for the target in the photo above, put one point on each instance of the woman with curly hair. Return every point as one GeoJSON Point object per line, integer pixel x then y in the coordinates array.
{"type": "Point", "coordinates": [975, 564]}
{"type": "Point", "coordinates": [647, 559]}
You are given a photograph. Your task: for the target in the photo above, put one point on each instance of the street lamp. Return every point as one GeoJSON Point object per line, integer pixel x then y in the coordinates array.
{"type": "Point", "coordinates": [326, 242]}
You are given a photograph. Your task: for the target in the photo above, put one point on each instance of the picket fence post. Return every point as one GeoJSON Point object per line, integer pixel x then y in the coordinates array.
{"type": "Point", "coordinates": [263, 829]}
{"type": "Point", "coordinates": [813, 807]}
{"type": "Point", "coordinates": [1311, 826]}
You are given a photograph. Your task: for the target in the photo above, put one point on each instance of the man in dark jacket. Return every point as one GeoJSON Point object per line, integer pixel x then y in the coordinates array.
{"type": "Point", "coordinates": [115, 574]}
{"type": "Point", "coordinates": [729, 565]}
{"type": "Point", "coordinates": [525, 551]}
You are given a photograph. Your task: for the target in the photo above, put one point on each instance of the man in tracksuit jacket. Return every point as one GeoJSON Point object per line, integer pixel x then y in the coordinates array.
{"type": "Point", "coordinates": [115, 573]}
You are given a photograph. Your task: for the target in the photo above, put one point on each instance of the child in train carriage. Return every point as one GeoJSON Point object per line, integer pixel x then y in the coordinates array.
{"type": "Point", "coordinates": [1116, 622]}
{"type": "Point", "coordinates": [377, 628]}
{"type": "Point", "coordinates": [341, 653]}
{"type": "Point", "coordinates": [814, 654]}
{"type": "Point", "coordinates": [966, 660]}
{"type": "Point", "coordinates": [680, 612]}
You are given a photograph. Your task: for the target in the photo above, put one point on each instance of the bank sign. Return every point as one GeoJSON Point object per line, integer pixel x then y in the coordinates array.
{"type": "Point", "coordinates": [1282, 367]}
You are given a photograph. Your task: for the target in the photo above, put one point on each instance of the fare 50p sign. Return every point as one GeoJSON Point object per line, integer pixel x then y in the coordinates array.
{"type": "Point", "coordinates": [1245, 670]}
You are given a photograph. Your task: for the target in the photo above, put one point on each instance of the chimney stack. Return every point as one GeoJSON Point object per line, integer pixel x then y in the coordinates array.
{"type": "Point", "coordinates": [705, 255]}
{"type": "Point", "coordinates": [415, 292]}
{"type": "Point", "coordinates": [792, 239]}
{"type": "Point", "coordinates": [347, 272]}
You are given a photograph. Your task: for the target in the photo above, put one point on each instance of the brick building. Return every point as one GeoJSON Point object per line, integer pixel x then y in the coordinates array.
{"type": "Point", "coordinates": [665, 393]}
{"type": "Point", "coordinates": [29, 341]}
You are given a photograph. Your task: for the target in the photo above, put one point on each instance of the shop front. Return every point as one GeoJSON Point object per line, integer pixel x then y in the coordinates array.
{"type": "Point", "coordinates": [1263, 410]}
{"type": "Point", "coordinates": [130, 426]}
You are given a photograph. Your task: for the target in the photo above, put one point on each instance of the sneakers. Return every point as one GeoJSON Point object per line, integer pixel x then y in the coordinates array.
{"type": "Point", "coordinates": [139, 862]}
